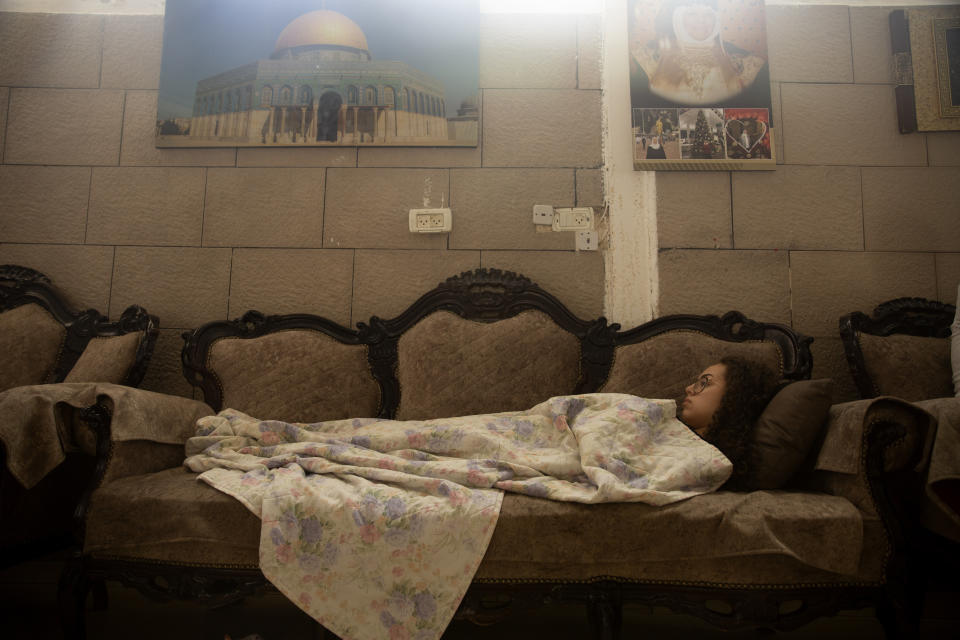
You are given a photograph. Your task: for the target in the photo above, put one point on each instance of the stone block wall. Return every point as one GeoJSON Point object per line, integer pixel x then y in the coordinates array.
{"type": "Point", "coordinates": [196, 235]}
{"type": "Point", "coordinates": [855, 213]}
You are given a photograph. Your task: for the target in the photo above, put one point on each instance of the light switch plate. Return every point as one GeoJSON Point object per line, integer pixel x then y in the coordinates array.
{"type": "Point", "coordinates": [586, 240]}
{"type": "Point", "coordinates": [542, 214]}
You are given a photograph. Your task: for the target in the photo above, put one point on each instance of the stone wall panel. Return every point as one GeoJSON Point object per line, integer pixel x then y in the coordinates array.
{"type": "Point", "coordinates": [943, 148]}
{"type": "Point", "coordinates": [146, 205]}
{"type": "Point", "coordinates": [911, 209]}
{"type": "Point", "coordinates": [693, 209]}
{"type": "Point", "coordinates": [798, 207]}
{"type": "Point", "coordinates": [845, 124]}
{"type": "Point", "coordinates": [872, 54]}
{"type": "Point", "coordinates": [277, 281]}
{"type": "Point", "coordinates": [81, 273]}
{"type": "Point", "coordinates": [132, 51]}
{"type": "Point", "coordinates": [590, 188]}
{"type": "Point", "coordinates": [370, 208]}
{"type": "Point", "coordinates": [829, 284]}
{"type": "Point", "coordinates": [185, 287]}
{"type": "Point", "coordinates": [297, 157]}
{"type": "Point", "coordinates": [428, 157]}
{"type": "Point", "coordinates": [388, 281]}
{"type": "Point", "coordinates": [528, 51]}
{"type": "Point", "coordinates": [756, 283]}
{"type": "Point", "coordinates": [64, 126]}
{"type": "Point", "coordinates": [541, 128]}
{"type": "Point", "coordinates": [589, 52]}
{"type": "Point", "coordinates": [43, 204]}
{"type": "Point", "coordinates": [264, 208]}
{"type": "Point", "coordinates": [576, 278]}
{"type": "Point", "coordinates": [809, 44]}
{"type": "Point", "coordinates": [50, 50]}
{"type": "Point", "coordinates": [493, 208]}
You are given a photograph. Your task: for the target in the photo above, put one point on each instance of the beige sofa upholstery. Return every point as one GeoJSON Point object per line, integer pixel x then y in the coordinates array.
{"type": "Point", "coordinates": [904, 350]}
{"type": "Point", "coordinates": [44, 341]}
{"type": "Point", "coordinates": [492, 341]}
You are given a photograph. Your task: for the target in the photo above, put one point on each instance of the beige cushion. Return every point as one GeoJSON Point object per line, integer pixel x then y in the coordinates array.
{"type": "Point", "coordinates": [449, 366]}
{"type": "Point", "coordinates": [787, 430]}
{"type": "Point", "coordinates": [30, 341]}
{"type": "Point", "coordinates": [662, 366]}
{"type": "Point", "coordinates": [171, 516]}
{"type": "Point", "coordinates": [908, 367]}
{"type": "Point", "coordinates": [107, 359]}
{"type": "Point", "coordinates": [295, 376]}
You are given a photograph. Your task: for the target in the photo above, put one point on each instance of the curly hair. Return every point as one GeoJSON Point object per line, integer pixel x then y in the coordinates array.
{"type": "Point", "coordinates": [749, 386]}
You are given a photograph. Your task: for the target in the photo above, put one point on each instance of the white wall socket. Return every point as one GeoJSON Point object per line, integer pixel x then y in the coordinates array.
{"type": "Point", "coordinates": [573, 219]}
{"type": "Point", "coordinates": [542, 214]}
{"type": "Point", "coordinates": [431, 220]}
{"type": "Point", "coordinates": [586, 240]}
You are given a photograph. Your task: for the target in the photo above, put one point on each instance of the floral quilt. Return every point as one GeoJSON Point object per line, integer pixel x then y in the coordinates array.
{"type": "Point", "coordinates": [376, 527]}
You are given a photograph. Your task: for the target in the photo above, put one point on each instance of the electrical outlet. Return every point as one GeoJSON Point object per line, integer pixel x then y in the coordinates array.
{"type": "Point", "coordinates": [431, 220]}
{"type": "Point", "coordinates": [542, 214]}
{"type": "Point", "coordinates": [573, 219]}
{"type": "Point", "coordinates": [586, 240]}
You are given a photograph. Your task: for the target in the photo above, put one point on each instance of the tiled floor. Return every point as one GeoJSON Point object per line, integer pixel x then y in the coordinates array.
{"type": "Point", "coordinates": [28, 612]}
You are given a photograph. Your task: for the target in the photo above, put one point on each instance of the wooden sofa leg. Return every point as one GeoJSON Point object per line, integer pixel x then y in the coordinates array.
{"type": "Point", "coordinates": [606, 618]}
{"type": "Point", "coordinates": [900, 616]}
{"type": "Point", "coordinates": [72, 598]}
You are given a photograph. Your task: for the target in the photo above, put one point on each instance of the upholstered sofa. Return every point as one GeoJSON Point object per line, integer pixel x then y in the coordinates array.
{"type": "Point", "coordinates": [44, 341]}
{"type": "Point", "coordinates": [903, 349]}
{"type": "Point", "coordinates": [820, 532]}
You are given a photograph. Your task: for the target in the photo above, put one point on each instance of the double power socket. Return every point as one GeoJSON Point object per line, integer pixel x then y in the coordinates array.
{"type": "Point", "coordinates": [577, 219]}
{"type": "Point", "coordinates": [431, 220]}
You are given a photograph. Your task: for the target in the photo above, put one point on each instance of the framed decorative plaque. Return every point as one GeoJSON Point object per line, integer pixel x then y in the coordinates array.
{"type": "Point", "coordinates": [700, 85]}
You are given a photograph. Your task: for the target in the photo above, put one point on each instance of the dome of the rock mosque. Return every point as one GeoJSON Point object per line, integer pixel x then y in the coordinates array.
{"type": "Point", "coordinates": [322, 28]}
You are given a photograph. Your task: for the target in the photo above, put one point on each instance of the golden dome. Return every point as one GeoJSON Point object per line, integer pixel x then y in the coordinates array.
{"type": "Point", "coordinates": [322, 28]}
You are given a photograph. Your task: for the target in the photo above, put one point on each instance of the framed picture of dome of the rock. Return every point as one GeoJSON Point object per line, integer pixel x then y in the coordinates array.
{"type": "Point", "coordinates": [293, 73]}
{"type": "Point", "coordinates": [700, 85]}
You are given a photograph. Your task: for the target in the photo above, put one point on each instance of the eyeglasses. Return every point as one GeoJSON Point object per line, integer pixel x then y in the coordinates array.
{"type": "Point", "coordinates": [701, 383]}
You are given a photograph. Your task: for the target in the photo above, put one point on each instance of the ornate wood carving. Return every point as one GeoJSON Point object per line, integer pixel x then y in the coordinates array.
{"type": "Point", "coordinates": [252, 324]}
{"type": "Point", "coordinates": [486, 295]}
{"type": "Point", "coordinates": [735, 327]}
{"type": "Point", "coordinates": [21, 285]}
{"type": "Point", "coordinates": [904, 316]}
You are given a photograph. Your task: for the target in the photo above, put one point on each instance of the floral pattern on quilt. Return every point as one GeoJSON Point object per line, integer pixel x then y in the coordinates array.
{"type": "Point", "coordinates": [376, 527]}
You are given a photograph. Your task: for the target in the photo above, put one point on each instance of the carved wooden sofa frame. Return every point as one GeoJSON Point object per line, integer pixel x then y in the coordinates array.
{"type": "Point", "coordinates": [492, 296]}
{"type": "Point", "coordinates": [903, 350]}
{"type": "Point", "coordinates": [20, 287]}
{"type": "Point", "coordinates": [903, 317]}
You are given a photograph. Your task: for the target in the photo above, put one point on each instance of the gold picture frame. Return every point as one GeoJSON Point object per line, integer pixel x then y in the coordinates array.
{"type": "Point", "coordinates": [946, 42]}
{"type": "Point", "coordinates": [926, 45]}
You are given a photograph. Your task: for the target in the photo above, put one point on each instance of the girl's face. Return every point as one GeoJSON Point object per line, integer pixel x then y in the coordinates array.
{"type": "Point", "coordinates": [703, 398]}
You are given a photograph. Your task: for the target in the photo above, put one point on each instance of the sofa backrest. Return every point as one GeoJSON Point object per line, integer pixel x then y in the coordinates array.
{"type": "Point", "coordinates": [658, 359]}
{"type": "Point", "coordinates": [902, 350]}
{"type": "Point", "coordinates": [297, 368]}
{"type": "Point", "coordinates": [482, 342]}
{"type": "Point", "coordinates": [44, 341]}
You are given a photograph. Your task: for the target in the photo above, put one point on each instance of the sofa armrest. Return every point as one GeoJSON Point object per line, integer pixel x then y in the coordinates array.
{"type": "Point", "coordinates": [870, 455]}
{"type": "Point", "coordinates": [41, 423]}
{"type": "Point", "coordinates": [139, 431]}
